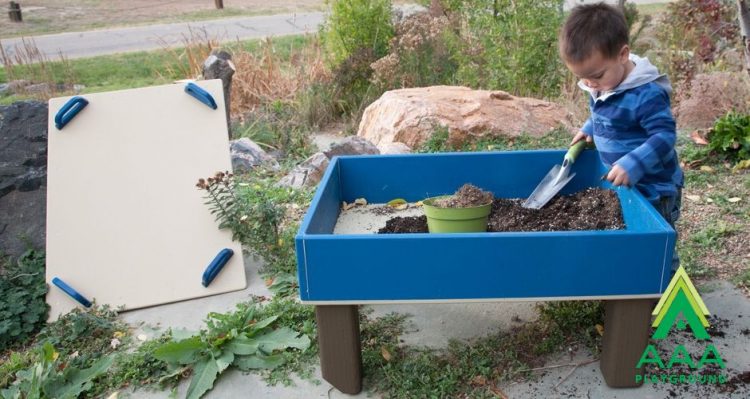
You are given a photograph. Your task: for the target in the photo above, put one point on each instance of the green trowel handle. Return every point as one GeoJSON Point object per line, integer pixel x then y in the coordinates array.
{"type": "Point", "coordinates": [574, 151]}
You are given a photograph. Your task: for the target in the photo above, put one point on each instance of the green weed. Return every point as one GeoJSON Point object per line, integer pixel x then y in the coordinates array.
{"type": "Point", "coordinates": [23, 310]}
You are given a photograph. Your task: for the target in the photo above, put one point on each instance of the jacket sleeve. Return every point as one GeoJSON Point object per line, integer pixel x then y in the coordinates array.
{"type": "Point", "coordinates": [588, 127]}
{"type": "Point", "coordinates": [655, 117]}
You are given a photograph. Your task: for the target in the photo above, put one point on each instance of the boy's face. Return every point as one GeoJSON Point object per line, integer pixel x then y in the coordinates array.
{"type": "Point", "coordinates": [600, 73]}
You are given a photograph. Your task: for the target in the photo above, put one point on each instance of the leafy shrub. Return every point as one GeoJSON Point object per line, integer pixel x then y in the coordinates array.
{"type": "Point", "coordinates": [731, 136]}
{"type": "Point", "coordinates": [260, 214]}
{"type": "Point", "coordinates": [23, 310]}
{"type": "Point", "coordinates": [354, 25]}
{"type": "Point", "coordinates": [511, 46]}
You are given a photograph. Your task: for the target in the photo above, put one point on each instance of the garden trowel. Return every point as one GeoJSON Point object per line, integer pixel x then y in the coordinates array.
{"type": "Point", "coordinates": [555, 179]}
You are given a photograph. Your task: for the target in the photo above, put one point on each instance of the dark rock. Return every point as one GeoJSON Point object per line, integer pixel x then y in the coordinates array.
{"type": "Point", "coordinates": [23, 174]}
{"type": "Point", "coordinates": [246, 155]}
{"type": "Point", "coordinates": [352, 145]}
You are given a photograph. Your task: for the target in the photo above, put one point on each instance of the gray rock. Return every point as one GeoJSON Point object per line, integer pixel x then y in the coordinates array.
{"type": "Point", "coordinates": [38, 88]}
{"type": "Point", "coordinates": [353, 145]}
{"type": "Point", "coordinates": [17, 86]}
{"type": "Point", "coordinates": [23, 176]}
{"type": "Point", "coordinates": [246, 155]}
{"type": "Point", "coordinates": [308, 173]}
{"type": "Point", "coordinates": [219, 65]}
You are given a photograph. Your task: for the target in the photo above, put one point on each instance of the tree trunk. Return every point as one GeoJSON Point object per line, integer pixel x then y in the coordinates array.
{"type": "Point", "coordinates": [219, 4]}
{"type": "Point", "coordinates": [743, 15]}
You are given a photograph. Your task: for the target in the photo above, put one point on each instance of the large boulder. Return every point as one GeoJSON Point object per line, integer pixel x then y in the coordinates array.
{"type": "Point", "coordinates": [23, 176]}
{"type": "Point", "coordinates": [410, 116]}
{"type": "Point", "coordinates": [710, 96]}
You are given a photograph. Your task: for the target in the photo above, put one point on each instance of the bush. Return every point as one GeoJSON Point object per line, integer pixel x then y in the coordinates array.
{"type": "Point", "coordinates": [23, 310]}
{"type": "Point", "coordinates": [420, 54]}
{"type": "Point", "coordinates": [694, 33]}
{"type": "Point", "coordinates": [354, 25]}
{"type": "Point", "coordinates": [512, 46]}
{"type": "Point", "coordinates": [731, 136]}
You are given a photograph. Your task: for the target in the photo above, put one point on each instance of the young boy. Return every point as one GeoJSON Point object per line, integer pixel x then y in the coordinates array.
{"type": "Point", "coordinates": [631, 121]}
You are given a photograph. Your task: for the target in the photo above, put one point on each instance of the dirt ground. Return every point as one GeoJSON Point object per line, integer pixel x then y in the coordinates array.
{"type": "Point", "coordinates": [50, 16]}
{"type": "Point", "coordinates": [590, 209]}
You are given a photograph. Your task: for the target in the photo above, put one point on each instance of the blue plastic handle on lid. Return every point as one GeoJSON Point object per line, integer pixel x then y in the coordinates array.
{"type": "Point", "coordinates": [70, 291]}
{"type": "Point", "coordinates": [69, 111]}
{"type": "Point", "coordinates": [200, 94]}
{"type": "Point", "coordinates": [216, 265]}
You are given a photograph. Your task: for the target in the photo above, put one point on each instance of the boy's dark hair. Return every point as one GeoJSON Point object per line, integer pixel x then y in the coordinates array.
{"type": "Point", "coordinates": [593, 27]}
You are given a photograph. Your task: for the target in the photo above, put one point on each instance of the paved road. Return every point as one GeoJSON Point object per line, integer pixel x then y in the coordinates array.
{"type": "Point", "coordinates": [148, 37]}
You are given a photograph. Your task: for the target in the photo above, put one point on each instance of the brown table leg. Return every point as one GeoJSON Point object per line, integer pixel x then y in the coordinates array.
{"type": "Point", "coordinates": [340, 350]}
{"type": "Point", "coordinates": [626, 334]}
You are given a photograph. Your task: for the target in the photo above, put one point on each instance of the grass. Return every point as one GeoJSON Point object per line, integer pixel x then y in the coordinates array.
{"type": "Point", "coordinates": [715, 215]}
{"type": "Point", "coordinates": [138, 69]}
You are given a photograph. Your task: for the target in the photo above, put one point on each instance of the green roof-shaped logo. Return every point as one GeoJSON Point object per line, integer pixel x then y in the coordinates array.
{"type": "Point", "coordinates": [680, 298]}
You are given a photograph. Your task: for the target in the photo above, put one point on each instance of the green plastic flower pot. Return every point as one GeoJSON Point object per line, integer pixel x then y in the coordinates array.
{"type": "Point", "coordinates": [455, 220]}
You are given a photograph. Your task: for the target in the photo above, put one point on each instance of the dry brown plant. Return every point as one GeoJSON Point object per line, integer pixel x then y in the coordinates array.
{"type": "Point", "coordinates": [263, 77]}
{"type": "Point", "coordinates": [42, 77]}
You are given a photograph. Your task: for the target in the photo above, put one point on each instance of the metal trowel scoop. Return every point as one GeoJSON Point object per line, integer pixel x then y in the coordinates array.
{"type": "Point", "coordinates": [555, 179]}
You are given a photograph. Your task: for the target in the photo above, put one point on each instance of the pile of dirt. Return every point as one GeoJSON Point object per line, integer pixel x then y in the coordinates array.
{"type": "Point", "coordinates": [405, 224]}
{"type": "Point", "coordinates": [590, 209]}
{"type": "Point", "coordinates": [466, 196]}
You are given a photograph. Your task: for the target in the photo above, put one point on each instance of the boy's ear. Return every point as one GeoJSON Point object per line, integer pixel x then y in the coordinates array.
{"type": "Point", "coordinates": [624, 55]}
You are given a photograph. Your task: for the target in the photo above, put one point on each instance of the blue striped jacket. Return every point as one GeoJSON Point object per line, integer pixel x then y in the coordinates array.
{"type": "Point", "coordinates": [633, 127]}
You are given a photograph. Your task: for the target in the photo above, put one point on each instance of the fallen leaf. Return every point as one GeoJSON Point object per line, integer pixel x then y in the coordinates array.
{"type": "Point", "coordinates": [114, 343]}
{"type": "Point", "coordinates": [386, 355]}
{"type": "Point", "coordinates": [401, 207]}
{"type": "Point", "coordinates": [114, 395]}
{"type": "Point", "coordinates": [741, 165]}
{"type": "Point", "coordinates": [396, 202]}
{"type": "Point", "coordinates": [418, 203]}
{"type": "Point", "coordinates": [346, 206]}
{"type": "Point", "coordinates": [360, 201]}
{"type": "Point", "coordinates": [694, 198]}
{"type": "Point", "coordinates": [734, 199]}
{"type": "Point", "coordinates": [269, 281]}
{"type": "Point", "coordinates": [705, 168]}
{"type": "Point", "coordinates": [118, 334]}
{"type": "Point", "coordinates": [600, 329]}
{"type": "Point", "coordinates": [479, 380]}
{"type": "Point", "coordinates": [699, 137]}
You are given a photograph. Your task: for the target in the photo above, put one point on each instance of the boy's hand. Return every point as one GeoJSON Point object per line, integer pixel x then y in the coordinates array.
{"type": "Point", "coordinates": [580, 136]}
{"type": "Point", "coordinates": [618, 176]}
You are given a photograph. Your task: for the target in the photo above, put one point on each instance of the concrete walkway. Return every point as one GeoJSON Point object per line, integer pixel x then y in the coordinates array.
{"type": "Point", "coordinates": [149, 37]}
{"type": "Point", "coordinates": [434, 325]}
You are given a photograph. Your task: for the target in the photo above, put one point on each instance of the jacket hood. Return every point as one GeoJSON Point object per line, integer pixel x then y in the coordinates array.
{"type": "Point", "coordinates": [643, 72]}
